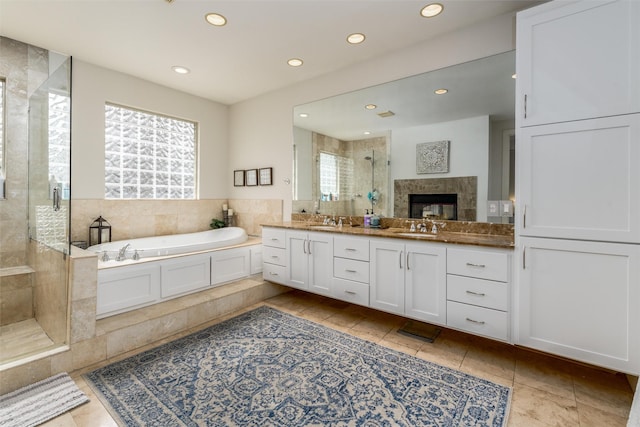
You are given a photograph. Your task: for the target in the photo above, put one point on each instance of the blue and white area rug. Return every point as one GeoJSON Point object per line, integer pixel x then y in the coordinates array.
{"type": "Point", "coordinates": [39, 402]}
{"type": "Point", "coordinates": [268, 368]}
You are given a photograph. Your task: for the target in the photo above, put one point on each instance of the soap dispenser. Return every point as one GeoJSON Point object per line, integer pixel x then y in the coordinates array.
{"type": "Point", "coordinates": [375, 220]}
{"type": "Point", "coordinates": [367, 218]}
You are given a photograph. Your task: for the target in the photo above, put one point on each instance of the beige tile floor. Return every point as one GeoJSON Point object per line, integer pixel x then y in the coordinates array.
{"type": "Point", "coordinates": [546, 391]}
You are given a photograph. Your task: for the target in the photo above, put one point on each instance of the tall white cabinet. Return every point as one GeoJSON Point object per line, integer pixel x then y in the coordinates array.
{"type": "Point", "coordinates": [578, 181]}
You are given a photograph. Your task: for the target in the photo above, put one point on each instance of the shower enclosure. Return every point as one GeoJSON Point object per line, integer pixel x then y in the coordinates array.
{"type": "Point", "coordinates": [35, 225]}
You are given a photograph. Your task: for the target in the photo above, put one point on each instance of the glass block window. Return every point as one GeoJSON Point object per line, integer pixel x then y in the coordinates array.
{"type": "Point", "coordinates": [60, 140]}
{"type": "Point", "coordinates": [336, 176]}
{"type": "Point", "coordinates": [148, 156]}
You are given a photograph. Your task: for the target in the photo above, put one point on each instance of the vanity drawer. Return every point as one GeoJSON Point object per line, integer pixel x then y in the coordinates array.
{"type": "Point", "coordinates": [272, 255]}
{"type": "Point", "coordinates": [274, 273]}
{"type": "Point", "coordinates": [351, 247]}
{"type": "Point", "coordinates": [483, 293]}
{"type": "Point", "coordinates": [274, 237]}
{"type": "Point", "coordinates": [477, 263]}
{"type": "Point", "coordinates": [478, 320]}
{"type": "Point", "coordinates": [348, 290]}
{"type": "Point", "coordinates": [351, 269]}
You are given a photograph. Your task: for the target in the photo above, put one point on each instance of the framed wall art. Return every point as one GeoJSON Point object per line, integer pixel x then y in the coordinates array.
{"type": "Point", "coordinates": [432, 157]}
{"type": "Point", "coordinates": [251, 177]}
{"type": "Point", "coordinates": [265, 176]}
{"type": "Point", "coordinates": [238, 178]}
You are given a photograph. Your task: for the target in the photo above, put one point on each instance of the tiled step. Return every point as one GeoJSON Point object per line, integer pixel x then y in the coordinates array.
{"type": "Point", "coordinates": [134, 329]}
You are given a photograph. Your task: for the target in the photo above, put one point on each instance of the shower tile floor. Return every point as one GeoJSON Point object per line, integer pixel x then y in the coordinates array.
{"type": "Point", "coordinates": [20, 338]}
{"type": "Point", "coordinates": [547, 391]}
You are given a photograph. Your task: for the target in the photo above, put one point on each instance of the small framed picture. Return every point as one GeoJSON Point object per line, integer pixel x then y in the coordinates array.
{"type": "Point", "coordinates": [265, 176]}
{"type": "Point", "coordinates": [251, 177]}
{"type": "Point", "coordinates": [238, 178]}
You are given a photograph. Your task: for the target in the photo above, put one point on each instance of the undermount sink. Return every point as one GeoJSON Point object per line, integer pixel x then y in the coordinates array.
{"type": "Point", "coordinates": [323, 227]}
{"type": "Point", "coordinates": [416, 234]}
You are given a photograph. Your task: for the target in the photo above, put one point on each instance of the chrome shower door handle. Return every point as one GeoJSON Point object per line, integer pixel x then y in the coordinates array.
{"type": "Point", "coordinates": [56, 199]}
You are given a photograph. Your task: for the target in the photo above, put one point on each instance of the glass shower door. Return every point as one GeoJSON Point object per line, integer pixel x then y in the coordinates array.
{"type": "Point", "coordinates": [49, 199]}
{"type": "Point", "coordinates": [50, 160]}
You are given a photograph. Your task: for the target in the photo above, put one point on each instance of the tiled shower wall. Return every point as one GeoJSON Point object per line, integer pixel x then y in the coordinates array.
{"type": "Point", "coordinates": [142, 218]}
{"type": "Point", "coordinates": [24, 68]}
{"type": "Point", "coordinates": [356, 203]}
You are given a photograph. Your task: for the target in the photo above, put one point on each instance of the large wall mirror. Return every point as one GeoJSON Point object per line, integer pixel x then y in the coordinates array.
{"type": "Point", "coordinates": [400, 148]}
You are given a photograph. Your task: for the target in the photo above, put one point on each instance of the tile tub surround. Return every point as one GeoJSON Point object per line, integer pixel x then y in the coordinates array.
{"type": "Point", "coordinates": [130, 219]}
{"type": "Point", "coordinates": [465, 187]}
{"type": "Point", "coordinates": [93, 342]}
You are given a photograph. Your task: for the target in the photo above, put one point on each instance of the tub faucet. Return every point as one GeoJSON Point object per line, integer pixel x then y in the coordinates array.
{"type": "Point", "coordinates": [122, 253]}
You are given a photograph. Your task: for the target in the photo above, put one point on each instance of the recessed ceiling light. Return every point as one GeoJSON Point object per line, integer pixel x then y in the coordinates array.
{"type": "Point", "coordinates": [295, 62]}
{"type": "Point", "coordinates": [431, 10]}
{"type": "Point", "coordinates": [514, 75]}
{"type": "Point", "coordinates": [371, 106]}
{"type": "Point", "coordinates": [215, 19]}
{"type": "Point", "coordinates": [440, 91]}
{"type": "Point", "coordinates": [180, 69]}
{"type": "Point", "coordinates": [356, 38]}
{"type": "Point", "coordinates": [303, 115]}
{"type": "Point", "coordinates": [366, 132]}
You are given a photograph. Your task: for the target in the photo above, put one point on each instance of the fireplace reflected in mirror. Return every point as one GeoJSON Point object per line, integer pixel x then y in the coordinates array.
{"type": "Point", "coordinates": [433, 206]}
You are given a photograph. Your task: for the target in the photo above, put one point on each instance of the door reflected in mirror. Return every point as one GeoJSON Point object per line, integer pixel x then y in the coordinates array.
{"type": "Point", "coordinates": [334, 137]}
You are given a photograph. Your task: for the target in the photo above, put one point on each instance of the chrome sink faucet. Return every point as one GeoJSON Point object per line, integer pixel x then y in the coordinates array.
{"type": "Point", "coordinates": [122, 253]}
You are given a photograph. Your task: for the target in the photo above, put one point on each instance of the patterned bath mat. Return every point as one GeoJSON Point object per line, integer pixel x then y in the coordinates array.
{"type": "Point", "coordinates": [39, 402]}
{"type": "Point", "coordinates": [268, 368]}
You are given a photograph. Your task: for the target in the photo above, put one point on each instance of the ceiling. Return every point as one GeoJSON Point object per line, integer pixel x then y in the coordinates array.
{"type": "Point", "coordinates": [246, 57]}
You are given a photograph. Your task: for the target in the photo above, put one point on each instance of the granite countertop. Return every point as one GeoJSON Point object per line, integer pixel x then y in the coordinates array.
{"type": "Point", "coordinates": [469, 237]}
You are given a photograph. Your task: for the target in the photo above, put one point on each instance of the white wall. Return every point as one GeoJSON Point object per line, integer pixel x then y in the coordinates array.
{"type": "Point", "coordinates": [260, 129]}
{"type": "Point", "coordinates": [303, 179]}
{"type": "Point", "coordinates": [468, 153]}
{"type": "Point", "coordinates": [92, 86]}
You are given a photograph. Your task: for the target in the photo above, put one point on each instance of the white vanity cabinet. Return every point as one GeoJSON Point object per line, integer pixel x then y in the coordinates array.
{"type": "Point", "coordinates": [577, 60]}
{"type": "Point", "coordinates": [580, 300]}
{"type": "Point", "coordinates": [274, 255]}
{"type": "Point", "coordinates": [351, 269]}
{"type": "Point", "coordinates": [581, 180]}
{"type": "Point", "coordinates": [478, 291]}
{"type": "Point", "coordinates": [409, 279]}
{"type": "Point", "coordinates": [309, 260]}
